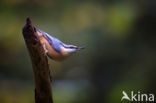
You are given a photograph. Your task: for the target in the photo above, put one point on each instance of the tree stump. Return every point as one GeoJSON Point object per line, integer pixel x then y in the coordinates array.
{"type": "Point", "coordinates": [43, 91]}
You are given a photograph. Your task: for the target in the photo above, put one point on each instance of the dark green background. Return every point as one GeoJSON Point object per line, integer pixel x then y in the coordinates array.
{"type": "Point", "coordinates": [120, 54]}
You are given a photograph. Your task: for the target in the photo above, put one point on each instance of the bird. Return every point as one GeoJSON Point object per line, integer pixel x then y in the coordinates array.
{"type": "Point", "coordinates": [54, 48]}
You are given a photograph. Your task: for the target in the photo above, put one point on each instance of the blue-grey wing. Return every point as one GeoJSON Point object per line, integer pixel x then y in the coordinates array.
{"type": "Point", "coordinates": [57, 44]}
{"type": "Point", "coordinates": [54, 42]}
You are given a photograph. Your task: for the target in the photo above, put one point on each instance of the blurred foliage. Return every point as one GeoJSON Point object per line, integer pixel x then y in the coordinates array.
{"type": "Point", "coordinates": [120, 53]}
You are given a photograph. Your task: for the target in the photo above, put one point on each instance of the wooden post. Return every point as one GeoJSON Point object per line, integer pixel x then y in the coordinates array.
{"type": "Point", "coordinates": [39, 63]}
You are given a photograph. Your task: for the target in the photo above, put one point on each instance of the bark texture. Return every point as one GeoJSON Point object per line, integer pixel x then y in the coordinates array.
{"type": "Point", "coordinates": [43, 91]}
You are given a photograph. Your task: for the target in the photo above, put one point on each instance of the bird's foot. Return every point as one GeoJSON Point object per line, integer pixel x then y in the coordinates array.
{"type": "Point", "coordinates": [45, 49]}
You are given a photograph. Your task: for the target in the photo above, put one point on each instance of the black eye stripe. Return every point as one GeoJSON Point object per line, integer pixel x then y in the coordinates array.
{"type": "Point", "coordinates": [71, 47]}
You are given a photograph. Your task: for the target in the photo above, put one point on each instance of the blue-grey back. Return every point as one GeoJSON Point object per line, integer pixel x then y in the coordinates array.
{"type": "Point", "coordinates": [54, 42]}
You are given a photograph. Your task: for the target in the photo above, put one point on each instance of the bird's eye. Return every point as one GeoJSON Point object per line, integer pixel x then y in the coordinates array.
{"type": "Point", "coordinates": [71, 47]}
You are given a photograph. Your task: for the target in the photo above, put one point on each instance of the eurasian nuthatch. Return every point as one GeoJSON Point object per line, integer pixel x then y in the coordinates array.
{"type": "Point", "coordinates": [54, 48]}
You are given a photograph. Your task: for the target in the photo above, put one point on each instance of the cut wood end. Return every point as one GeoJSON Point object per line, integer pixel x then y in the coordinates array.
{"type": "Point", "coordinates": [28, 21]}
{"type": "Point", "coordinates": [28, 29]}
